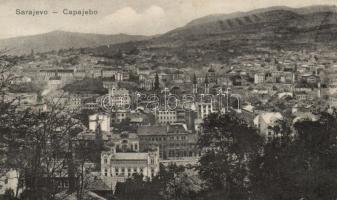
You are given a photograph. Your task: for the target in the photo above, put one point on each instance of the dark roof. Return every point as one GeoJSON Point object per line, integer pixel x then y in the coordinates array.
{"type": "Point", "coordinates": [174, 128]}
{"type": "Point", "coordinates": [55, 78]}
{"type": "Point", "coordinates": [57, 70]}
{"type": "Point", "coordinates": [98, 184]}
{"type": "Point", "coordinates": [65, 70]}
{"type": "Point", "coordinates": [152, 130]}
{"type": "Point", "coordinates": [211, 70]}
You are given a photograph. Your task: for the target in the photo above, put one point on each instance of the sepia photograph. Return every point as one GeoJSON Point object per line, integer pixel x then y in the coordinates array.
{"type": "Point", "coordinates": [168, 100]}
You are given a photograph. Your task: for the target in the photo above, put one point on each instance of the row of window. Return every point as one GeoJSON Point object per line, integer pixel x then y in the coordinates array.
{"type": "Point", "coordinates": [167, 112]}
{"type": "Point", "coordinates": [127, 171]}
{"type": "Point", "coordinates": [179, 153]}
{"type": "Point", "coordinates": [123, 162]}
{"type": "Point", "coordinates": [167, 117]}
{"type": "Point", "coordinates": [164, 138]}
{"type": "Point", "coordinates": [125, 146]}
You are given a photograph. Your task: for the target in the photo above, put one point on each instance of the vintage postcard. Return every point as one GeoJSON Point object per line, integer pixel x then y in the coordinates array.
{"type": "Point", "coordinates": [168, 100]}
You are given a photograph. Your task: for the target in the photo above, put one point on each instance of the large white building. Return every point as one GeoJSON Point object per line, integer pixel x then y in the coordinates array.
{"type": "Point", "coordinates": [123, 165]}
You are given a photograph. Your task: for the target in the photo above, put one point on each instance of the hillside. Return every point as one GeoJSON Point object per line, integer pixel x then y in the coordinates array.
{"type": "Point", "coordinates": [219, 17]}
{"type": "Point", "coordinates": [212, 39]}
{"type": "Point", "coordinates": [62, 40]}
{"type": "Point", "coordinates": [261, 24]}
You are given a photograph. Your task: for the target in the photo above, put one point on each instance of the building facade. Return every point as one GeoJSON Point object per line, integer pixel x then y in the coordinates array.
{"type": "Point", "coordinates": [167, 116]}
{"type": "Point", "coordinates": [125, 164]}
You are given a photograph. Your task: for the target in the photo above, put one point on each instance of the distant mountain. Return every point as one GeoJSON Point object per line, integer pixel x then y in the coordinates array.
{"type": "Point", "coordinates": [63, 40]}
{"type": "Point", "coordinates": [219, 17]}
{"type": "Point", "coordinates": [268, 21]}
{"type": "Point", "coordinates": [218, 37]}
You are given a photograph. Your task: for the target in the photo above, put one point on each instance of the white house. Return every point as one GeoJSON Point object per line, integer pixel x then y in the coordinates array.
{"type": "Point", "coordinates": [266, 121]}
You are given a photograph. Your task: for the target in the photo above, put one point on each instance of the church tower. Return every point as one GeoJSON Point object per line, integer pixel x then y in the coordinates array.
{"type": "Point", "coordinates": [195, 84]}
{"type": "Point", "coordinates": [319, 90]}
{"type": "Point", "coordinates": [206, 85]}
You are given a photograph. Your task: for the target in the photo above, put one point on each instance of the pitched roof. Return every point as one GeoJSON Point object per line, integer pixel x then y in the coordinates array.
{"type": "Point", "coordinates": [176, 128]}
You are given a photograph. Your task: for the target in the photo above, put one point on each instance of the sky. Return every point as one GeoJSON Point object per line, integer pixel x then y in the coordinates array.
{"type": "Point", "coordinates": [136, 17]}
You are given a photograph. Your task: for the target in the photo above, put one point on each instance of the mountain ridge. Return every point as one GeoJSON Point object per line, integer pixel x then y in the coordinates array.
{"type": "Point", "coordinates": [312, 27]}
{"type": "Point", "coordinates": [56, 40]}
{"type": "Point", "coordinates": [301, 10]}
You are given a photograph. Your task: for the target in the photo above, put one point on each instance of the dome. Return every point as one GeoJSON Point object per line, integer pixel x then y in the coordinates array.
{"type": "Point", "coordinates": [211, 70]}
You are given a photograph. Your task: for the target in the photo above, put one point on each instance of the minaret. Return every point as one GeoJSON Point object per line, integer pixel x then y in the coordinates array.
{"type": "Point", "coordinates": [195, 86]}
{"type": "Point", "coordinates": [319, 90]}
{"type": "Point", "coordinates": [206, 85]}
{"type": "Point", "coordinates": [293, 78]}
{"type": "Point", "coordinates": [293, 84]}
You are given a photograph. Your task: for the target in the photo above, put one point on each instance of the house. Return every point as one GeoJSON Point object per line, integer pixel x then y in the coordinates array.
{"type": "Point", "coordinates": [108, 83]}
{"type": "Point", "coordinates": [90, 106]}
{"type": "Point", "coordinates": [225, 81]}
{"type": "Point", "coordinates": [125, 75]}
{"type": "Point", "coordinates": [146, 84]}
{"type": "Point", "coordinates": [55, 82]}
{"type": "Point", "coordinates": [9, 181]}
{"type": "Point", "coordinates": [174, 141]}
{"type": "Point", "coordinates": [21, 80]}
{"type": "Point", "coordinates": [259, 78]}
{"type": "Point", "coordinates": [65, 74]}
{"type": "Point", "coordinates": [96, 73]}
{"type": "Point", "coordinates": [211, 74]}
{"type": "Point", "coordinates": [119, 97]}
{"type": "Point", "coordinates": [75, 102]}
{"type": "Point", "coordinates": [301, 96]}
{"type": "Point", "coordinates": [167, 116]}
{"type": "Point", "coordinates": [266, 121]}
{"type": "Point", "coordinates": [80, 74]}
{"type": "Point", "coordinates": [119, 115]}
{"type": "Point", "coordinates": [310, 78]}
{"type": "Point", "coordinates": [333, 101]}
{"type": "Point", "coordinates": [125, 142]}
{"type": "Point", "coordinates": [109, 73]}
{"type": "Point", "coordinates": [45, 74]}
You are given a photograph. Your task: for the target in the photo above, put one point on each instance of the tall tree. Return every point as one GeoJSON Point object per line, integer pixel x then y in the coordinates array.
{"type": "Point", "coordinates": [229, 144]}
{"type": "Point", "coordinates": [302, 167]}
{"type": "Point", "coordinates": [38, 145]}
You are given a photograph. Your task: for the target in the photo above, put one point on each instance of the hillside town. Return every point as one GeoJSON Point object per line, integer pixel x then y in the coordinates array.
{"type": "Point", "coordinates": [216, 110]}
{"type": "Point", "coordinates": [147, 116]}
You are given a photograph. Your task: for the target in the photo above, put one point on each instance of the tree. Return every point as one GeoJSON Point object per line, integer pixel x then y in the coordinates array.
{"type": "Point", "coordinates": [39, 146]}
{"type": "Point", "coordinates": [7, 107]}
{"type": "Point", "coordinates": [229, 145]}
{"type": "Point", "coordinates": [184, 185]}
{"type": "Point", "coordinates": [272, 170]}
{"type": "Point", "coordinates": [303, 166]}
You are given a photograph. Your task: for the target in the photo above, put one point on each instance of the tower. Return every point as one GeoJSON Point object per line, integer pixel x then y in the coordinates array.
{"type": "Point", "coordinates": [319, 90]}
{"type": "Point", "coordinates": [206, 85]}
{"type": "Point", "coordinates": [195, 86]}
